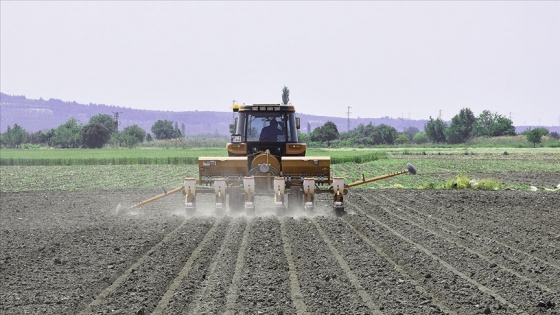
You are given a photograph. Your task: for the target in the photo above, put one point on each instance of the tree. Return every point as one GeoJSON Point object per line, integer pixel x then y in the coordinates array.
{"type": "Point", "coordinates": [15, 137]}
{"type": "Point", "coordinates": [67, 135]}
{"type": "Point", "coordinates": [543, 131]}
{"type": "Point", "coordinates": [38, 137]}
{"type": "Point", "coordinates": [302, 137]}
{"type": "Point", "coordinates": [493, 125]}
{"type": "Point", "coordinates": [136, 132]}
{"type": "Point", "coordinates": [95, 135]}
{"type": "Point", "coordinates": [163, 129]}
{"type": "Point", "coordinates": [461, 128]}
{"type": "Point", "coordinates": [132, 135]}
{"type": "Point", "coordinates": [285, 95]}
{"type": "Point", "coordinates": [420, 138]}
{"type": "Point", "coordinates": [177, 132]}
{"type": "Point", "coordinates": [384, 134]}
{"type": "Point", "coordinates": [411, 131]}
{"type": "Point", "coordinates": [435, 130]}
{"type": "Point", "coordinates": [534, 136]}
{"type": "Point", "coordinates": [105, 120]}
{"type": "Point", "coordinates": [361, 135]}
{"type": "Point", "coordinates": [403, 138]}
{"type": "Point", "coordinates": [325, 133]}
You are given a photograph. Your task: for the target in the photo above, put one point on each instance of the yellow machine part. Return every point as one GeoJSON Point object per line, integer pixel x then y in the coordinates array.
{"type": "Point", "coordinates": [230, 168]}
{"type": "Point", "coordinates": [236, 149]}
{"type": "Point", "coordinates": [296, 148]}
{"type": "Point", "coordinates": [264, 167]}
{"type": "Point", "coordinates": [267, 159]}
{"type": "Point", "coordinates": [318, 167]}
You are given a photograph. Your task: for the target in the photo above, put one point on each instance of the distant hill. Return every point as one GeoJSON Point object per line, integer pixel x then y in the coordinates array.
{"type": "Point", "coordinates": [34, 115]}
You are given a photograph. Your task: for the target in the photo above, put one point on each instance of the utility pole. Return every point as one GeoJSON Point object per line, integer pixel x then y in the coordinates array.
{"type": "Point", "coordinates": [439, 114]}
{"type": "Point", "coordinates": [348, 122]}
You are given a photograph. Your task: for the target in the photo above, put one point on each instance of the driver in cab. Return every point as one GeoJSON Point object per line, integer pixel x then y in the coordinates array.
{"type": "Point", "coordinates": [271, 132]}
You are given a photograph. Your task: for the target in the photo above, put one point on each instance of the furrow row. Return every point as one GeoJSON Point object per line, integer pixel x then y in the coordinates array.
{"type": "Point", "coordinates": [465, 294]}
{"type": "Point", "coordinates": [141, 285]}
{"type": "Point", "coordinates": [517, 262]}
{"type": "Point", "coordinates": [514, 224]}
{"type": "Point", "coordinates": [496, 275]}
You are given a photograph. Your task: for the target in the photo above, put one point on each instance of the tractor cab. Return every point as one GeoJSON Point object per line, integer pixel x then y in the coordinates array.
{"type": "Point", "coordinates": [262, 127]}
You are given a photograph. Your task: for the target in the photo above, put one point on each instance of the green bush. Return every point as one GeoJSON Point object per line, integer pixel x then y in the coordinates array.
{"type": "Point", "coordinates": [461, 182]}
{"type": "Point", "coordinates": [428, 185]}
{"type": "Point", "coordinates": [488, 184]}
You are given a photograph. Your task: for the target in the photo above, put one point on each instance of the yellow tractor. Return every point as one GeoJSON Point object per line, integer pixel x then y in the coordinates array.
{"type": "Point", "coordinates": [266, 158]}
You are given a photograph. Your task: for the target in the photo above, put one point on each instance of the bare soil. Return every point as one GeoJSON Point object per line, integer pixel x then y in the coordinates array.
{"type": "Point", "coordinates": [395, 252]}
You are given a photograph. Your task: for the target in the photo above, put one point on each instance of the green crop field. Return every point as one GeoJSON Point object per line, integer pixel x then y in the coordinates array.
{"type": "Point", "coordinates": [49, 157]}
{"type": "Point", "coordinates": [83, 169]}
{"type": "Point", "coordinates": [119, 156]}
{"type": "Point", "coordinates": [437, 169]}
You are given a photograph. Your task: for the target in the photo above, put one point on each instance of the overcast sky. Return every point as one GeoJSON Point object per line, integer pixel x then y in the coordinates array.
{"type": "Point", "coordinates": [397, 59]}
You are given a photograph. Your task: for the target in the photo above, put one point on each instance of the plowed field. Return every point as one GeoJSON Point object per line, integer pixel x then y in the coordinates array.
{"type": "Point", "coordinates": [395, 252]}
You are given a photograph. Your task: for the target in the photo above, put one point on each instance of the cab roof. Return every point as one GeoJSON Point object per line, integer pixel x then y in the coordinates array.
{"type": "Point", "coordinates": [264, 108]}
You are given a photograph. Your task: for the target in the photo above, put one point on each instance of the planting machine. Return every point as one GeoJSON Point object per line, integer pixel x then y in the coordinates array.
{"type": "Point", "coordinates": [266, 158]}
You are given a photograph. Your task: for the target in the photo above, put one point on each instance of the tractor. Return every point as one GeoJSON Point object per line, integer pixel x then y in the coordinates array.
{"type": "Point", "coordinates": [266, 158]}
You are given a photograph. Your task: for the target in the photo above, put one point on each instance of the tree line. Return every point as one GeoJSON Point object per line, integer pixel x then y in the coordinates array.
{"type": "Point", "coordinates": [463, 127]}
{"type": "Point", "coordinates": [99, 131]}
{"type": "Point", "coordinates": [102, 129]}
